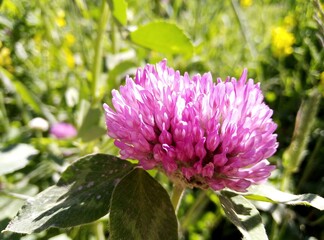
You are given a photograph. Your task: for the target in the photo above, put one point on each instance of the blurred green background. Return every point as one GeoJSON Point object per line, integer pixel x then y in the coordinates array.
{"type": "Point", "coordinates": [59, 60]}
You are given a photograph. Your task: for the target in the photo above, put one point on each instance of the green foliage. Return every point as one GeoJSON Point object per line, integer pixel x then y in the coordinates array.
{"type": "Point", "coordinates": [85, 192]}
{"type": "Point", "coordinates": [293, 156]}
{"type": "Point", "coordinates": [270, 194]}
{"type": "Point", "coordinates": [82, 195]}
{"type": "Point", "coordinates": [15, 158]}
{"type": "Point", "coordinates": [162, 37]}
{"type": "Point", "coordinates": [89, 130]}
{"type": "Point", "coordinates": [141, 209]}
{"type": "Point", "coordinates": [244, 215]}
{"type": "Point", "coordinates": [119, 10]}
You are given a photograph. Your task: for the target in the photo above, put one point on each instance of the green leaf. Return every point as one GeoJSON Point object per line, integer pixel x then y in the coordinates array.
{"type": "Point", "coordinates": [7, 235]}
{"type": "Point", "coordinates": [89, 129]}
{"type": "Point", "coordinates": [244, 215]}
{"type": "Point", "coordinates": [81, 196]}
{"type": "Point", "coordinates": [267, 193]}
{"type": "Point", "coordinates": [27, 96]}
{"type": "Point", "coordinates": [118, 72]}
{"type": "Point", "coordinates": [141, 209]}
{"type": "Point", "coordinates": [15, 158]}
{"type": "Point", "coordinates": [163, 37]}
{"type": "Point", "coordinates": [119, 10]}
{"type": "Point", "coordinates": [11, 202]}
{"type": "Point", "coordinates": [81, 113]}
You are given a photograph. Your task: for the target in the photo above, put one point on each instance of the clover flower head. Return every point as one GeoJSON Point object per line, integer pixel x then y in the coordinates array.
{"type": "Point", "coordinates": [39, 124]}
{"type": "Point", "coordinates": [198, 132]}
{"type": "Point", "coordinates": [63, 130]}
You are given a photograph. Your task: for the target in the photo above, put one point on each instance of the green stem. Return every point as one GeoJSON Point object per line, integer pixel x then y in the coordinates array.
{"type": "Point", "coordinates": [24, 114]}
{"type": "Point", "coordinates": [14, 195]}
{"type": "Point", "coordinates": [317, 4]}
{"type": "Point", "coordinates": [195, 210]}
{"type": "Point", "coordinates": [98, 229]}
{"type": "Point", "coordinates": [97, 63]}
{"type": "Point", "coordinates": [295, 153]}
{"type": "Point", "coordinates": [285, 184]}
{"type": "Point", "coordinates": [113, 37]}
{"type": "Point", "coordinates": [177, 194]}
{"type": "Point", "coordinates": [274, 230]}
{"type": "Point", "coordinates": [73, 233]}
{"type": "Point", "coordinates": [283, 229]}
{"type": "Point", "coordinates": [39, 134]}
{"type": "Point", "coordinates": [3, 114]}
{"type": "Point", "coordinates": [243, 27]}
{"type": "Point", "coordinates": [317, 222]}
{"type": "Point", "coordinates": [246, 33]}
{"type": "Point", "coordinates": [310, 163]}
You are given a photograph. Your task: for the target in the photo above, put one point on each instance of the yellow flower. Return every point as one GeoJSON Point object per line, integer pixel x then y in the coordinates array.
{"type": "Point", "coordinates": [69, 39]}
{"type": "Point", "coordinates": [290, 21]}
{"type": "Point", "coordinates": [60, 22]}
{"type": "Point", "coordinates": [322, 78]}
{"type": "Point", "coordinates": [5, 58]}
{"type": "Point", "coordinates": [9, 7]}
{"type": "Point", "coordinates": [60, 18]}
{"type": "Point", "coordinates": [69, 58]}
{"type": "Point", "coordinates": [37, 38]}
{"type": "Point", "coordinates": [246, 3]}
{"type": "Point", "coordinates": [321, 84]}
{"type": "Point", "coordinates": [5, 52]}
{"type": "Point", "coordinates": [282, 42]}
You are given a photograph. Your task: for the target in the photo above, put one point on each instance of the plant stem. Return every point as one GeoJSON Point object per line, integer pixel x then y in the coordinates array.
{"type": "Point", "coordinates": [295, 153]}
{"type": "Point", "coordinates": [98, 229]}
{"type": "Point", "coordinates": [285, 184]}
{"type": "Point", "coordinates": [113, 37]}
{"type": "Point", "coordinates": [246, 33]}
{"type": "Point", "coordinates": [97, 63]}
{"type": "Point", "coordinates": [317, 222]}
{"type": "Point", "coordinates": [14, 195]}
{"type": "Point", "coordinates": [176, 197]}
{"type": "Point", "coordinates": [244, 29]}
{"type": "Point", "coordinates": [73, 233]}
{"type": "Point", "coordinates": [310, 163]}
{"type": "Point", "coordinates": [317, 4]}
{"type": "Point", "coordinates": [195, 210]}
{"type": "Point", "coordinates": [3, 114]}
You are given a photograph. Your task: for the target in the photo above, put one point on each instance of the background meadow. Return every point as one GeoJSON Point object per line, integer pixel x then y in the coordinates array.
{"type": "Point", "coordinates": [59, 60]}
